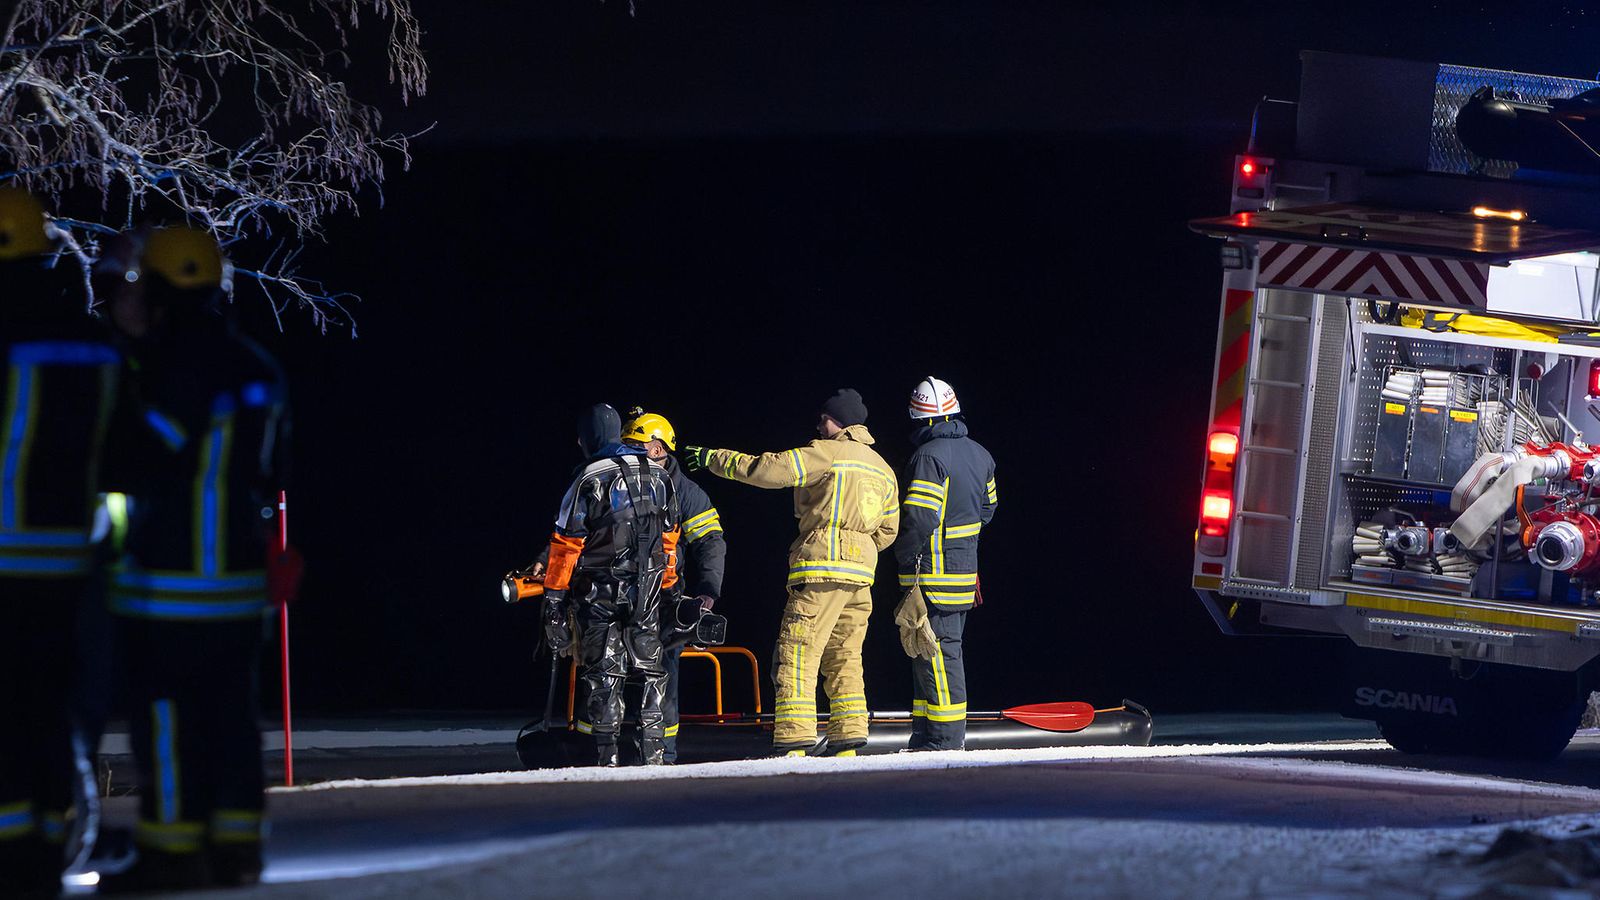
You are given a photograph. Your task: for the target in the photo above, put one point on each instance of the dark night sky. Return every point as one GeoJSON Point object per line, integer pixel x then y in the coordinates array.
{"type": "Point", "coordinates": [724, 211]}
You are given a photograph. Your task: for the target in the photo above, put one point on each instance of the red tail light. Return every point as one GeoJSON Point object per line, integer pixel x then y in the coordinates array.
{"type": "Point", "coordinates": [1594, 378]}
{"type": "Point", "coordinates": [1215, 512]}
{"type": "Point", "coordinates": [1216, 500]}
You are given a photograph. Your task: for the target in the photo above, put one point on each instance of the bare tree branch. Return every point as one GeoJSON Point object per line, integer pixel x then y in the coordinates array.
{"type": "Point", "coordinates": [227, 114]}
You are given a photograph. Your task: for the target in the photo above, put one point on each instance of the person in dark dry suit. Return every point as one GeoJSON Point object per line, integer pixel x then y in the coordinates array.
{"type": "Point", "coordinates": [613, 552]}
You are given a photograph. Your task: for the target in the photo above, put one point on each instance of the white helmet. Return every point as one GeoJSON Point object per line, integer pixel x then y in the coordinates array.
{"type": "Point", "coordinates": [932, 398]}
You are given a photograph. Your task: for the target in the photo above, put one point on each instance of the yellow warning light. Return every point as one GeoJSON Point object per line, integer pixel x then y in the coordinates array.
{"type": "Point", "coordinates": [1484, 212]}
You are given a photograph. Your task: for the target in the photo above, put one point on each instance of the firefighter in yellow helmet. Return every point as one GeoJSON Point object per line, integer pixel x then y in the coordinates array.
{"type": "Point", "coordinates": [701, 559]}
{"type": "Point", "coordinates": [846, 499]}
{"type": "Point", "coordinates": [191, 595]}
{"type": "Point", "coordinates": [61, 380]}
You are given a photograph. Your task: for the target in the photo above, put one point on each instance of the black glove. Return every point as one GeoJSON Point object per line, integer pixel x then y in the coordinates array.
{"type": "Point", "coordinates": [706, 602]}
{"type": "Point", "coordinates": [557, 630]}
{"type": "Point", "coordinates": [696, 458]}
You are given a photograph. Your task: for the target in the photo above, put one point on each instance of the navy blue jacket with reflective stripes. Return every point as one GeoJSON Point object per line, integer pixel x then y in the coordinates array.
{"type": "Point", "coordinates": [61, 386]}
{"type": "Point", "coordinates": [211, 451]}
{"type": "Point", "coordinates": [702, 554]}
{"type": "Point", "coordinates": [950, 496]}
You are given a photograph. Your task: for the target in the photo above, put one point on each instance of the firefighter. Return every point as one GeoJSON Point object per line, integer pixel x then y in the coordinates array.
{"type": "Point", "coordinates": [950, 497]}
{"type": "Point", "coordinates": [702, 557]}
{"type": "Point", "coordinates": [61, 384]}
{"type": "Point", "coordinates": [613, 553]}
{"type": "Point", "coordinates": [190, 598]}
{"type": "Point", "coordinates": [846, 500]}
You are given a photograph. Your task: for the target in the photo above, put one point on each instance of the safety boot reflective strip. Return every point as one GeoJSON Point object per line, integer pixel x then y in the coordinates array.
{"type": "Point", "coordinates": [237, 826]}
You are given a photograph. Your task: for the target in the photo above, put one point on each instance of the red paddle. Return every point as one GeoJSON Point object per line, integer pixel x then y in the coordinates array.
{"type": "Point", "coordinates": [1070, 715]}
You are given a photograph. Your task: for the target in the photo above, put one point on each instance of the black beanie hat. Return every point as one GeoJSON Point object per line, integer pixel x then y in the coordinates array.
{"type": "Point", "coordinates": [845, 407]}
{"type": "Point", "coordinates": [598, 426]}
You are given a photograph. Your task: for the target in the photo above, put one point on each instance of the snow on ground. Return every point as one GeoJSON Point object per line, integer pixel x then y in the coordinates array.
{"type": "Point", "coordinates": [757, 768]}
{"type": "Point", "coordinates": [860, 854]}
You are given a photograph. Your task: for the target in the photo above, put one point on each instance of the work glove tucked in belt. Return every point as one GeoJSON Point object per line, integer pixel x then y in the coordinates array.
{"type": "Point", "coordinates": [557, 630]}
{"type": "Point", "coordinates": [916, 632]}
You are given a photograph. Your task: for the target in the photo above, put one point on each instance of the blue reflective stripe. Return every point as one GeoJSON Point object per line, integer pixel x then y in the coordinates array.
{"type": "Point", "coordinates": [43, 539]}
{"type": "Point", "coordinates": [44, 565]}
{"type": "Point", "coordinates": [53, 828]}
{"type": "Point", "coordinates": [166, 429]}
{"type": "Point", "coordinates": [188, 609]}
{"type": "Point", "coordinates": [16, 434]}
{"type": "Point", "coordinates": [166, 771]}
{"type": "Point", "coordinates": [16, 819]}
{"type": "Point", "coordinates": [62, 353]}
{"type": "Point", "coordinates": [208, 504]}
{"type": "Point", "coordinates": [130, 579]}
{"type": "Point", "coordinates": [260, 393]}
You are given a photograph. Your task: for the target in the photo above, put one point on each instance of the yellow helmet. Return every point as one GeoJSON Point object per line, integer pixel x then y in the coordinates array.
{"type": "Point", "coordinates": [187, 258]}
{"type": "Point", "coordinates": [646, 427]}
{"type": "Point", "coordinates": [24, 230]}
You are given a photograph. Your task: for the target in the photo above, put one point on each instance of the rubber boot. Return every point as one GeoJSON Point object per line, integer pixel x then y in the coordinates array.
{"type": "Point", "coordinates": [606, 754]}
{"type": "Point", "coordinates": [842, 747]}
{"type": "Point", "coordinates": [653, 752]}
{"type": "Point", "coordinates": [791, 750]}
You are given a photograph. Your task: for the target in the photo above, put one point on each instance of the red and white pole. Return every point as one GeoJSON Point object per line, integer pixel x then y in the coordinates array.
{"type": "Point", "coordinates": [283, 632]}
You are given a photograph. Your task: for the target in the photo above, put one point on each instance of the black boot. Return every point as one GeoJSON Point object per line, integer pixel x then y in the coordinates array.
{"type": "Point", "coordinates": [652, 752]}
{"type": "Point", "coordinates": [843, 747]}
{"type": "Point", "coordinates": [606, 754]}
{"type": "Point", "coordinates": [798, 749]}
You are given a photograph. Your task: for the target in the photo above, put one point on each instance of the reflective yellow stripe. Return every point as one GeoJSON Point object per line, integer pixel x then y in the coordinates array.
{"type": "Point", "coordinates": [933, 489]}
{"type": "Point", "coordinates": [962, 531]}
{"type": "Point", "coordinates": [585, 727]}
{"type": "Point", "coordinates": [799, 672]}
{"type": "Point", "coordinates": [671, 731]}
{"type": "Point", "coordinates": [169, 837]}
{"type": "Point", "coordinates": [945, 598]}
{"type": "Point", "coordinates": [798, 464]}
{"type": "Point", "coordinates": [1458, 613]}
{"type": "Point", "coordinates": [706, 523]}
{"type": "Point", "coordinates": [944, 579]}
{"type": "Point", "coordinates": [701, 519]}
{"type": "Point", "coordinates": [941, 686]}
{"type": "Point", "coordinates": [831, 569]}
{"type": "Point", "coordinates": [920, 503]}
{"type": "Point", "coordinates": [237, 826]}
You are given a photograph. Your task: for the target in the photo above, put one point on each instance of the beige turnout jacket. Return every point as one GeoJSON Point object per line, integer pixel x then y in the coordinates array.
{"type": "Point", "coordinates": [845, 497]}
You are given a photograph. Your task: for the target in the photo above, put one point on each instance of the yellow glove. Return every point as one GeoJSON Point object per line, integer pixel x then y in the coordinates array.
{"type": "Point", "coordinates": [916, 632]}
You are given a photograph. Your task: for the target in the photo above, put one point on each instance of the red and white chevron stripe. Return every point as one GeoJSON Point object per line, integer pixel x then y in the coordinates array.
{"type": "Point", "coordinates": [1373, 273]}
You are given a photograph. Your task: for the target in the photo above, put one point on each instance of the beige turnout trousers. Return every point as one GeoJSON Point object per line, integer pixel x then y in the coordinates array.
{"type": "Point", "coordinates": [823, 627]}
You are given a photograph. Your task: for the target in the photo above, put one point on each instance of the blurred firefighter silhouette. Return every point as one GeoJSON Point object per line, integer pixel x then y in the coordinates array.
{"type": "Point", "coordinates": [62, 377]}
{"type": "Point", "coordinates": [202, 463]}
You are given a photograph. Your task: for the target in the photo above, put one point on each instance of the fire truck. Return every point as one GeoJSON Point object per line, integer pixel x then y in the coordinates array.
{"type": "Point", "coordinates": [1404, 438]}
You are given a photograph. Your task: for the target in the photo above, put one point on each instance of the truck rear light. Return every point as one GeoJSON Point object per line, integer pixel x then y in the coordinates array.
{"type": "Point", "coordinates": [1216, 499]}
{"type": "Point", "coordinates": [1216, 509]}
{"type": "Point", "coordinates": [1594, 378]}
{"type": "Point", "coordinates": [1223, 446]}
